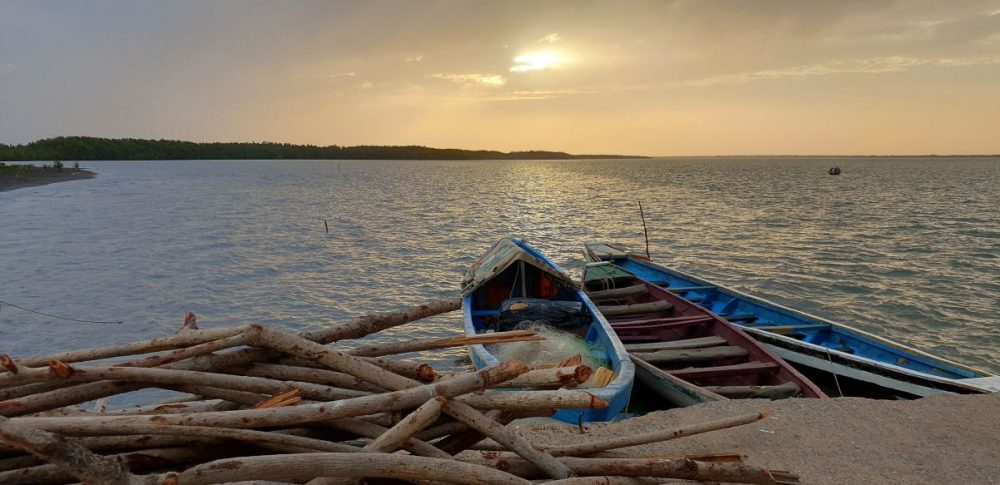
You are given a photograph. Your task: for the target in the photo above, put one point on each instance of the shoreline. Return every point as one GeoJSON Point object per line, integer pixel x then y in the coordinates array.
{"type": "Point", "coordinates": [947, 438]}
{"type": "Point", "coordinates": [36, 177]}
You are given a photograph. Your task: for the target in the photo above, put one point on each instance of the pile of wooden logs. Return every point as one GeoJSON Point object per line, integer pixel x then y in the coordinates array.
{"type": "Point", "coordinates": [267, 405]}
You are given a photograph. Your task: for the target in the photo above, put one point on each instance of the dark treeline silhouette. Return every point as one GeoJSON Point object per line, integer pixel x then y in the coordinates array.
{"type": "Point", "coordinates": [90, 148]}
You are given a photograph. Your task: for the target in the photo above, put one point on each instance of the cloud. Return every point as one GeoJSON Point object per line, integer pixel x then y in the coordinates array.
{"type": "Point", "coordinates": [339, 75]}
{"type": "Point", "coordinates": [469, 80]}
{"type": "Point", "coordinates": [551, 38]}
{"type": "Point", "coordinates": [415, 58]}
{"type": "Point", "coordinates": [878, 65]}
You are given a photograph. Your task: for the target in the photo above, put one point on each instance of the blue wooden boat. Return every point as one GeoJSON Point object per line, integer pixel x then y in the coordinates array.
{"type": "Point", "coordinates": [810, 342]}
{"type": "Point", "coordinates": [511, 270]}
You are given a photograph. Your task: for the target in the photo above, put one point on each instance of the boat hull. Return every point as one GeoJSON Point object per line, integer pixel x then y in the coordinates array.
{"type": "Point", "coordinates": [890, 366]}
{"type": "Point", "coordinates": [616, 393]}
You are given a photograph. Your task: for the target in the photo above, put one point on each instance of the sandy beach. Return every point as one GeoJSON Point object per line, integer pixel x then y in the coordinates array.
{"type": "Point", "coordinates": [941, 439]}
{"type": "Point", "coordinates": [40, 177]}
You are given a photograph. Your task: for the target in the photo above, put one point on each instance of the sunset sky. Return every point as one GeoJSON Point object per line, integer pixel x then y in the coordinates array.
{"type": "Point", "coordinates": [652, 78]}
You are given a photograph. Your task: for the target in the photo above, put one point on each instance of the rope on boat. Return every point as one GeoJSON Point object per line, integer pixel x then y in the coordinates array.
{"type": "Point", "coordinates": [835, 380]}
{"type": "Point", "coordinates": [52, 316]}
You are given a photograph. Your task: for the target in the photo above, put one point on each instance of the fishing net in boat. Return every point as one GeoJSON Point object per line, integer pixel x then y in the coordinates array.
{"type": "Point", "coordinates": [557, 314]}
{"type": "Point", "coordinates": [558, 346]}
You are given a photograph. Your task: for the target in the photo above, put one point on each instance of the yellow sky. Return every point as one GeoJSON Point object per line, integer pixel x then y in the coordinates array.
{"type": "Point", "coordinates": [655, 78]}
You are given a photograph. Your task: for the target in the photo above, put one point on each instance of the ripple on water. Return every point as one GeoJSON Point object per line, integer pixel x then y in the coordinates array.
{"type": "Point", "coordinates": [888, 246]}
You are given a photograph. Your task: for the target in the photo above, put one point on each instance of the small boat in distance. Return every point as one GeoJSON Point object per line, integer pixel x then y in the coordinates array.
{"type": "Point", "coordinates": [834, 170]}
{"type": "Point", "coordinates": [861, 360]}
{"type": "Point", "coordinates": [683, 352]}
{"type": "Point", "coordinates": [512, 279]}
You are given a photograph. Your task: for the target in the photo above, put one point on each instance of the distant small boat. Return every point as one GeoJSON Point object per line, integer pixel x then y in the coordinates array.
{"type": "Point", "coordinates": [834, 170]}
{"type": "Point", "coordinates": [684, 352]}
{"type": "Point", "coordinates": [513, 273]}
{"type": "Point", "coordinates": [811, 342]}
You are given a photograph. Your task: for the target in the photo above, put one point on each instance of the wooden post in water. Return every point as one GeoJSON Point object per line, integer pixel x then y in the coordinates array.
{"type": "Point", "coordinates": [644, 231]}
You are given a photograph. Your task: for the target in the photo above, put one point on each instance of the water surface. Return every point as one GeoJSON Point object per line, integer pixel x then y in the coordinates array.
{"type": "Point", "coordinates": [905, 248]}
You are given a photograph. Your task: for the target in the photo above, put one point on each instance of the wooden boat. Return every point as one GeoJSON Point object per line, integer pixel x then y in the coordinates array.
{"type": "Point", "coordinates": [684, 352]}
{"type": "Point", "coordinates": [511, 267]}
{"type": "Point", "coordinates": [859, 362]}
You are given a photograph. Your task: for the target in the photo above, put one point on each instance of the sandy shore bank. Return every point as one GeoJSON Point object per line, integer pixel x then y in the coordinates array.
{"type": "Point", "coordinates": [39, 177]}
{"type": "Point", "coordinates": [943, 439]}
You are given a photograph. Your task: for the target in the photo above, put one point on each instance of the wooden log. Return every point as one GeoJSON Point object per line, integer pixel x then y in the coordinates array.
{"type": "Point", "coordinates": [658, 306]}
{"type": "Point", "coordinates": [686, 469]}
{"type": "Point", "coordinates": [781, 391]}
{"type": "Point", "coordinates": [307, 374]}
{"type": "Point", "coordinates": [454, 427]}
{"type": "Point", "coordinates": [509, 438]}
{"type": "Point", "coordinates": [377, 322]}
{"type": "Point", "coordinates": [229, 395]}
{"type": "Point", "coordinates": [417, 345]}
{"type": "Point", "coordinates": [60, 397]}
{"type": "Point", "coordinates": [308, 413]}
{"type": "Point", "coordinates": [190, 352]}
{"type": "Point", "coordinates": [648, 467]}
{"type": "Point", "coordinates": [124, 442]}
{"type": "Point", "coordinates": [270, 440]}
{"type": "Point", "coordinates": [690, 343]}
{"type": "Point", "coordinates": [621, 441]}
{"type": "Point", "coordinates": [534, 400]}
{"type": "Point", "coordinates": [554, 377]}
{"type": "Point", "coordinates": [692, 356]}
{"type": "Point", "coordinates": [333, 359]}
{"type": "Point", "coordinates": [305, 349]}
{"type": "Point", "coordinates": [135, 460]}
{"type": "Point", "coordinates": [302, 467]}
{"type": "Point", "coordinates": [160, 376]}
{"type": "Point", "coordinates": [66, 455]}
{"type": "Point", "coordinates": [142, 347]}
{"type": "Point", "coordinates": [371, 430]}
{"type": "Point", "coordinates": [412, 370]}
{"type": "Point", "coordinates": [419, 419]}
{"type": "Point", "coordinates": [606, 480]}
{"type": "Point", "coordinates": [175, 408]}
{"type": "Point", "coordinates": [465, 438]}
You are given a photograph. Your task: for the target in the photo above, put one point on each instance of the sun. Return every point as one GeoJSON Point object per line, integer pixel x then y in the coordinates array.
{"type": "Point", "coordinates": [536, 61]}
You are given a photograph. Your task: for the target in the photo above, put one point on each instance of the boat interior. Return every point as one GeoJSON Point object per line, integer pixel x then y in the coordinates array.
{"type": "Point", "coordinates": [756, 315]}
{"type": "Point", "coordinates": [683, 339]}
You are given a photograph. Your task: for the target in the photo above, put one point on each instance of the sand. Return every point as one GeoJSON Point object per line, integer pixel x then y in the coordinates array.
{"type": "Point", "coordinates": [941, 439]}
{"type": "Point", "coordinates": [41, 177]}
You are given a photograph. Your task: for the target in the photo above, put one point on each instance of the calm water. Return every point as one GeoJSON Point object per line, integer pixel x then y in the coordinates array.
{"type": "Point", "coordinates": [906, 248]}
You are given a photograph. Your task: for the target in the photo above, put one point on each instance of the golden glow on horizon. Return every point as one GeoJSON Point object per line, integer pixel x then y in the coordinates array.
{"type": "Point", "coordinates": [648, 78]}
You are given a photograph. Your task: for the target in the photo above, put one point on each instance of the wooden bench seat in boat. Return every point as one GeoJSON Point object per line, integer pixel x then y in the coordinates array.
{"type": "Point", "coordinates": [780, 391]}
{"type": "Point", "coordinates": [658, 306]}
{"type": "Point", "coordinates": [725, 370]}
{"type": "Point", "coordinates": [691, 343]}
{"type": "Point", "coordinates": [659, 323]}
{"type": "Point", "coordinates": [693, 356]}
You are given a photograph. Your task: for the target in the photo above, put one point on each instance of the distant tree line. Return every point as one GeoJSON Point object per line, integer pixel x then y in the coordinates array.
{"type": "Point", "coordinates": [91, 148]}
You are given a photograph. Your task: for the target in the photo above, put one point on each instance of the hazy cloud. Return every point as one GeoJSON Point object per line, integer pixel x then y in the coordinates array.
{"type": "Point", "coordinates": [340, 75]}
{"type": "Point", "coordinates": [415, 58]}
{"type": "Point", "coordinates": [468, 80]}
{"type": "Point", "coordinates": [862, 66]}
{"type": "Point", "coordinates": [551, 38]}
